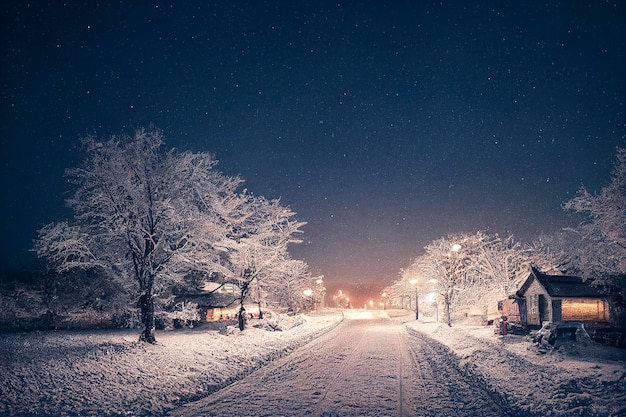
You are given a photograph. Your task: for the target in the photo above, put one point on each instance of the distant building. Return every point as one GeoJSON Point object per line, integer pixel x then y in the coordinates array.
{"type": "Point", "coordinates": [558, 298]}
{"type": "Point", "coordinates": [218, 302]}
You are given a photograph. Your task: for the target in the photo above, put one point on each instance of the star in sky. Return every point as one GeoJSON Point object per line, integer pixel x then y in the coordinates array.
{"type": "Point", "coordinates": [384, 125]}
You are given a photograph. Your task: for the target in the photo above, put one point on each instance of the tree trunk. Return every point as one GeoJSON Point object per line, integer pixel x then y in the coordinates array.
{"type": "Point", "coordinates": [243, 317]}
{"type": "Point", "coordinates": [447, 310]}
{"type": "Point", "coordinates": [146, 304]}
{"type": "Point", "coordinates": [245, 286]}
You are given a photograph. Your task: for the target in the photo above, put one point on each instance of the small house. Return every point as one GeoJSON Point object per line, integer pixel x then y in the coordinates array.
{"type": "Point", "coordinates": [559, 298]}
{"type": "Point", "coordinates": [510, 309]}
{"type": "Point", "coordinates": [218, 302]}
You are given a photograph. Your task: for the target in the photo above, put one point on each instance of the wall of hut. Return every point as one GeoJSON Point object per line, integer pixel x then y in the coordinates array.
{"type": "Point", "coordinates": [537, 307]}
{"type": "Point", "coordinates": [584, 309]}
{"type": "Point", "coordinates": [510, 308]}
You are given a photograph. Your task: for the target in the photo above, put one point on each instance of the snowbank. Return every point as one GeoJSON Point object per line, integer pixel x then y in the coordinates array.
{"type": "Point", "coordinates": [582, 379]}
{"type": "Point", "coordinates": [111, 373]}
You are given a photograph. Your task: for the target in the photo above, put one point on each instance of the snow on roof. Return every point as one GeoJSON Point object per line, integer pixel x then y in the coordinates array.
{"type": "Point", "coordinates": [561, 285]}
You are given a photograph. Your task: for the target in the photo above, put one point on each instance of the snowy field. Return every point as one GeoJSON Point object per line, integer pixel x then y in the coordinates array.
{"type": "Point", "coordinates": [111, 373]}
{"type": "Point", "coordinates": [579, 379]}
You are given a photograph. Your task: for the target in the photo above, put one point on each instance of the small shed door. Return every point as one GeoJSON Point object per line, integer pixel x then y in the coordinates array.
{"type": "Point", "coordinates": [533, 310]}
{"type": "Point", "coordinates": [544, 310]}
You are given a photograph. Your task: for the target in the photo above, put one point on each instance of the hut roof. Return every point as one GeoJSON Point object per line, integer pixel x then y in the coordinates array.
{"type": "Point", "coordinates": [560, 285]}
{"type": "Point", "coordinates": [207, 299]}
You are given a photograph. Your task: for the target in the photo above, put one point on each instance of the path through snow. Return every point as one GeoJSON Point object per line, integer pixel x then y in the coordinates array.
{"type": "Point", "coordinates": [380, 366]}
{"type": "Point", "coordinates": [367, 366]}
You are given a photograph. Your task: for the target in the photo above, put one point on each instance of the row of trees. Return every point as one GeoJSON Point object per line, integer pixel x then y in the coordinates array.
{"type": "Point", "coordinates": [150, 220]}
{"type": "Point", "coordinates": [473, 271]}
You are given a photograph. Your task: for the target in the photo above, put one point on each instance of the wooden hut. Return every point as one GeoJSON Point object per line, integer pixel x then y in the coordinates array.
{"type": "Point", "coordinates": [559, 298]}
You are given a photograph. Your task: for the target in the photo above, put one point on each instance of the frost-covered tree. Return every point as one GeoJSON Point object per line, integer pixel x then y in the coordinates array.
{"type": "Point", "coordinates": [603, 236]}
{"type": "Point", "coordinates": [254, 249]}
{"type": "Point", "coordinates": [495, 268]}
{"type": "Point", "coordinates": [139, 215]}
{"type": "Point", "coordinates": [468, 270]}
{"type": "Point", "coordinates": [445, 263]}
{"type": "Point", "coordinates": [287, 285]}
{"type": "Point", "coordinates": [555, 253]}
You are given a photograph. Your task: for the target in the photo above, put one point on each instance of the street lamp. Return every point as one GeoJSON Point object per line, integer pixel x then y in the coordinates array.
{"type": "Point", "coordinates": [417, 309]}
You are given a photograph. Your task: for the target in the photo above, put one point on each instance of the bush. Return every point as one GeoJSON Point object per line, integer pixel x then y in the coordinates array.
{"type": "Point", "coordinates": [185, 315]}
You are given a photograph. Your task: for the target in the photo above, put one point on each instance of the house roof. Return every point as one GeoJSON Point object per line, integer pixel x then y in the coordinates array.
{"type": "Point", "coordinates": [560, 285]}
{"type": "Point", "coordinates": [207, 299]}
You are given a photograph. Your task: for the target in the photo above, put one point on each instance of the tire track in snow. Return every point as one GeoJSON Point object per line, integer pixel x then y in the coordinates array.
{"type": "Point", "coordinates": [404, 358]}
{"type": "Point", "coordinates": [362, 367]}
{"type": "Point", "coordinates": [464, 397]}
{"type": "Point", "coordinates": [349, 361]}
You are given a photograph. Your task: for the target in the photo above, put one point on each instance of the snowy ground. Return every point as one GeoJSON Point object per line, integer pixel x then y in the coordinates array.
{"type": "Point", "coordinates": [367, 366]}
{"type": "Point", "coordinates": [580, 379]}
{"type": "Point", "coordinates": [110, 373]}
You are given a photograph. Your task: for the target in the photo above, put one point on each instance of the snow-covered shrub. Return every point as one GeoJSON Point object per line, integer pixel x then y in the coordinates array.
{"type": "Point", "coordinates": [185, 314]}
{"type": "Point", "coordinates": [278, 322]}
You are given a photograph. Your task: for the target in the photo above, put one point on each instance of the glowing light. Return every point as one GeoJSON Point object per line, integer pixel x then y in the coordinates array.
{"type": "Point", "coordinates": [359, 315]}
{"type": "Point", "coordinates": [456, 247]}
{"type": "Point", "coordinates": [308, 292]}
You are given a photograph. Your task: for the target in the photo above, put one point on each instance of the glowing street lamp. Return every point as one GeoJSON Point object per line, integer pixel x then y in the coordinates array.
{"type": "Point", "coordinates": [308, 292]}
{"type": "Point", "coordinates": [417, 310]}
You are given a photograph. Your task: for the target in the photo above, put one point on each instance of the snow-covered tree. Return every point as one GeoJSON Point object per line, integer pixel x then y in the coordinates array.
{"type": "Point", "coordinates": [288, 284]}
{"type": "Point", "coordinates": [144, 215]}
{"type": "Point", "coordinates": [495, 268]}
{"type": "Point", "coordinates": [603, 236]}
{"type": "Point", "coordinates": [468, 270]}
{"type": "Point", "coordinates": [446, 263]}
{"type": "Point", "coordinates": [555, 253]}
{"type": "Point", "coordinates": [254, 248]}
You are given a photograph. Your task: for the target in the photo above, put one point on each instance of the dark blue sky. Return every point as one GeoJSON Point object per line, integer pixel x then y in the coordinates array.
{"type": "Point", "coordinates": [385, 125]}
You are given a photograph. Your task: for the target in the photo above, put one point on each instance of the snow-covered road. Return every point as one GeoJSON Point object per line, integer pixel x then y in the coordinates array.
{"type": "Point", "coordinates": [369, 363]}
{"type": "Point", "coordinates": [367, 366]}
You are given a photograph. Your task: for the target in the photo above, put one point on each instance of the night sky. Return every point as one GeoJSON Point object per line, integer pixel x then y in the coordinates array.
{"type": "Point", "coordinates": [384, 125]}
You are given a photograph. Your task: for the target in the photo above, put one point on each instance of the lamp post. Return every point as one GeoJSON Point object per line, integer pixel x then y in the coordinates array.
{"type": "Point", "coordinates": [417, 309]}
